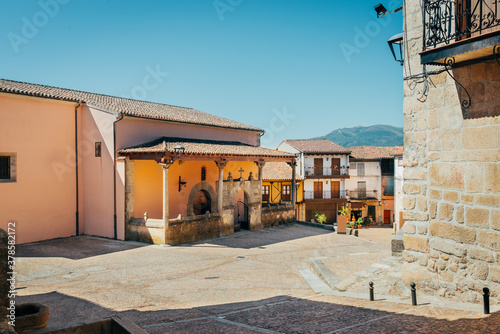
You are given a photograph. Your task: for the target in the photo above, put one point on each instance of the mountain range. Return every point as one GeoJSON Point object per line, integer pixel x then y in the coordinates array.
{"type": "Point", "coordinates": [374, 135]}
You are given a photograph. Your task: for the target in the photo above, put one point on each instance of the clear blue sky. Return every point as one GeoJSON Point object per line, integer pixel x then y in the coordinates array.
{"type": "Point", "coordinates": [297, 68]}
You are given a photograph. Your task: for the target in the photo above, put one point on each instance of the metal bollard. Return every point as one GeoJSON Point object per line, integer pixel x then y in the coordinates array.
{"type": "Point", "coordinates": [486, 298]}
{"type": "Point", "coordinates": [413, 294]}
{"type": "Point", "coordinates": [371, 291]}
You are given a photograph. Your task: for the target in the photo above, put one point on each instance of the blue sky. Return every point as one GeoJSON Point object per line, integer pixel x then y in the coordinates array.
{"type": "Point", "coordinates": [297, 68]}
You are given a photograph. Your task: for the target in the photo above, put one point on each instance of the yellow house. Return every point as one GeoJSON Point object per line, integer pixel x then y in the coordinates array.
{"type": "Point", "coordinates": [277, 183]}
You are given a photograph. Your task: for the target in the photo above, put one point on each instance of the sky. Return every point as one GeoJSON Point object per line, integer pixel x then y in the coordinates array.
{"type": "Point", "coordinates": [295, 68]}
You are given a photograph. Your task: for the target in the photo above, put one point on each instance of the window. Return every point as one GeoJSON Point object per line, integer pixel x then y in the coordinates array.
{"type": "Point", "coordinates": [203, 173]}
{"type": "Point", "coordinates": [285, 193]}
{"type": "Point", "coordinates": [387, 166]}
{"type": "Point", "coordinates": [8, 167]}
{"type": "Point", "coordinates": [265, 193]}
{"type": "Point", "coordinates": [389, 188]}
{"type": "Point", "coordinates": [353, 165]}
{"type": "Point", "coordinates": [400, 161]}
{"type": "Point", "coordinates": [361, 169]}
{"type": "Point", "coordinates": [361, 189]}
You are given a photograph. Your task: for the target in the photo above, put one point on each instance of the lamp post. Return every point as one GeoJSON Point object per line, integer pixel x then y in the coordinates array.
{"type": "Point", "coordinates": [179, 150]}
{"type": "Point", "coordinates": [395, 42]}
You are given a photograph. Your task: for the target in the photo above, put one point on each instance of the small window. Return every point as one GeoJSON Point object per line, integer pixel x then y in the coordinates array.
{"type": "Point", "coordinates": [353, 165]}
{"type": "Point", "coordinates": [203, 173]}
{"type": "Point", "coordinates": [400, 161]}
{"type": "Point", "coordinates": [285, 194]}
{"type": "Point", "coordinates": [265, 193]}
{"type": "Point", "coordinates": [8, 167]}
{"type": "Point", "coordinates": [98, 149]}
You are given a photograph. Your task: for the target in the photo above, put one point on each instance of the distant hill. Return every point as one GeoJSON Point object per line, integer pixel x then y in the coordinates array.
{"type": "Point", "coordinates": [375, 135]}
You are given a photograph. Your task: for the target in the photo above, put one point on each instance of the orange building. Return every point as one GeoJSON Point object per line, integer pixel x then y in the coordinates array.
{"type": "Point", "coordinates": [74, 162]}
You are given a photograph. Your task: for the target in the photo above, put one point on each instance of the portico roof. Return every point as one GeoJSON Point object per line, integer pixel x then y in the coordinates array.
{"type": "Point", "coordinates": [194, 149]}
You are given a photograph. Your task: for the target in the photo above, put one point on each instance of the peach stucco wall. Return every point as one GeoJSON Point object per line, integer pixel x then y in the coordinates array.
{"type": "Point", "coordinates": [148, 194]}
{"type": "Point", "coordinates": [97, 181]}
{"type": "Point", "coordinates": [134, 131]}
{"type": "Point", "coordinates": [42, 201]}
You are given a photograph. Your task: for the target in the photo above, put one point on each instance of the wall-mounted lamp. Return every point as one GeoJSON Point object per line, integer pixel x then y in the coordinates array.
{"type": "Point", "coordinates": [181, 184]}
{"type": "Point", "coordinates": [98, 150]}
{"type": "Point", "coordinates": [179, 150]}
{"type": "Point", "coordinates": [396, 42]}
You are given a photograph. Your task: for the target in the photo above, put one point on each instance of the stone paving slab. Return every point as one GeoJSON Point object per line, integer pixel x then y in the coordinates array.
{"type": "Point", "coordinates": [247, 283]}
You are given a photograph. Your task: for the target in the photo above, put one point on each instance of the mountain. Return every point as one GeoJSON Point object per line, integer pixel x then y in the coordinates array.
{"type": "Point", "coordinates": [375, 135]}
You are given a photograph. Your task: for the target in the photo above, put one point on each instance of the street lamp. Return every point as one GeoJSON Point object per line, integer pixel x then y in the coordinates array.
{"type": "Point", "coordinates": [395, 42]}
{"type": "Point", "coordinates": [382, 11]}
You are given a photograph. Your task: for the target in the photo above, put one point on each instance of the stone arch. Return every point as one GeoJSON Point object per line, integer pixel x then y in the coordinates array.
{"type": "Point", "coordinates": [206, 187]}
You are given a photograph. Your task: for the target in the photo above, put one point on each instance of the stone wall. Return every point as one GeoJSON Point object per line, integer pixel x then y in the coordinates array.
{"type": "Point", "coordinates": [277, 215]}
{"type": "Point", "coordinates": [451, 186]}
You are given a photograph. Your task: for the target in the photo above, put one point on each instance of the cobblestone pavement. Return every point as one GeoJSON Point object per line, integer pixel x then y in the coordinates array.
{"type": "Point", "coordinates": [250, 282]}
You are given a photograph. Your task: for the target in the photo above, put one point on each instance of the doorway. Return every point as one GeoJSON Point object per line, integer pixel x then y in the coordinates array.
{"type": "Point", "coordinates": [387, 216]}
{"type": "Point", "coordinates": [241, 216]}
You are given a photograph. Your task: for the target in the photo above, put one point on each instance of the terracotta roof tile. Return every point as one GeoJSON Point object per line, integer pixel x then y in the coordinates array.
{"type": "Point", "coordinates": [122, 105]}
{"type": "Point", "coordinates": [199, 146]}
{"type": "Point", "coordinates": [374, 152]}
{"type": "Point", "coordinates": [317, 146]}
{"type": "Point", "coordinates": [279, 171]}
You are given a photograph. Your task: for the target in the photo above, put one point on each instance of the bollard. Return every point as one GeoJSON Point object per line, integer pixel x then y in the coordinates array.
{"type": "Point", "coordinates": [413, 294]}
{"type": "Point", "coordinates": [486, 298]}
{"type": "Point", "coordinates": [371, 291]}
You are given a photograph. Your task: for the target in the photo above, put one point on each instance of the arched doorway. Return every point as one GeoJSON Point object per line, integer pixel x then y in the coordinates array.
{"type": "Point", "coordinates": [202, 203]}
{"type": "Point", "coordinates": [241, 216]}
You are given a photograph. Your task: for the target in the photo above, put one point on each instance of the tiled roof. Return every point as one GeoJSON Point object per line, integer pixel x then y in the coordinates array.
{"type": "Point", "coordinates": [374, 152]}
{"type": "Point", "coordinates": [279, 171]}
{"type": "Point", "coordinates": [316, 146]}
{"type": "Point", "coordinates": [206, 147]}
{"type": "Point", "coordinates": [124, 106]}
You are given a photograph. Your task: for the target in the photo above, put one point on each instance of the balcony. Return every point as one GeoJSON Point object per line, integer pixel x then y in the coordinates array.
{"type": "Point", "coordinates": [457, 31]}
{"type": "Point", "coordinates": [362, 194]}
{"type": "Point", "coordinates": [327, 173]}
{"type": "Point", "coordinates": [334, 196]}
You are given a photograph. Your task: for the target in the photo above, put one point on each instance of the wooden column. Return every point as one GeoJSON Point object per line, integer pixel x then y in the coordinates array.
{"type": "Point", "coordinates": [294, 184]}
{"type": "Point", "coordinates": [220, 192]}
{"type": "Point", "coordinates": [166, 210]}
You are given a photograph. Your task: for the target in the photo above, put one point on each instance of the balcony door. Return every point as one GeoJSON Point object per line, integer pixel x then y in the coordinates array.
{"type": "Point", "coordinates": [318, 166]}
{"type": "Point", "coordinates": [361, 190]}
{"type": "Point", "coordinates": [335, 166]}
{"type": "Point", "coordinates": [335, 187]}
{"type": "Point", "coordinates": [318, 190]}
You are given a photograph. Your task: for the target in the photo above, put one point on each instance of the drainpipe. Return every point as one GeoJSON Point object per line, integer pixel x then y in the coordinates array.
{"type": "Point", "coordinates": [77, 213]}
{"type": "Point", "coordinates": [115, 234]}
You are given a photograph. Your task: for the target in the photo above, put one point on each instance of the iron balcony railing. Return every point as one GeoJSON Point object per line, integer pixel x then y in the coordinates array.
{"type": "Point", "coordinates": [326, 171]}
{"type": "Point", "coordinates": [448, 21]}
{"type": "Point", "coordinates": [363, 194]}
{"type": "Point", "coordinates": [325, 194]}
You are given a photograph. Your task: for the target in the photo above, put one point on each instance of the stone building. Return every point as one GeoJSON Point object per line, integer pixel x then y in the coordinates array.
{"type": "Point", "coordinates": [451, 148]}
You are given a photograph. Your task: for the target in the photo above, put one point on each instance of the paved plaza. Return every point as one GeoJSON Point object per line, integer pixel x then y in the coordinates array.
{"type": "Point", "coordinates": [249, 282]}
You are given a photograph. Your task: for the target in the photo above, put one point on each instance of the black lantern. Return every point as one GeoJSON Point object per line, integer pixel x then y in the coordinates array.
{"type": "Point", "coordinates": [179, 150]}
{"type": "Point", "coordinates": [396, 42]}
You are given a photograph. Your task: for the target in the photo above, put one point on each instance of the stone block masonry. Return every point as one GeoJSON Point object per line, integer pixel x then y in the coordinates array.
{"type": "Point", "coordinates": [452, 175]}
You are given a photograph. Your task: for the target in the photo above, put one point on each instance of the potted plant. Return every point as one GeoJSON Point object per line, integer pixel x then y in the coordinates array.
{"type": "Point", "coordinates": [360, 222]}
{"type": "Point", "coordinates": [319, 218]}
{"type": "Point", "coordinates": [342, 220]}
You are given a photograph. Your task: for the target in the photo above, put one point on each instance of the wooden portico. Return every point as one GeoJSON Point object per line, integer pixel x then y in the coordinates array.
{"type": "Point", "coordinates": [199, 182]}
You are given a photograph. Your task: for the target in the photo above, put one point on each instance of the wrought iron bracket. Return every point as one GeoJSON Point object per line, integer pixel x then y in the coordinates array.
{"type": "Point", "coordinates": [496, 53]}
{"type": "Point", "coordinates": [449, 65]}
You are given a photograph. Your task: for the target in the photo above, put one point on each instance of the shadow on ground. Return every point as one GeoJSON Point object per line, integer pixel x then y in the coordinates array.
{"type": "Point", "coordinates": [262, 238]}
{"type": "Point", "coordinates": [75, 248]}
{"type": "Point", "coordinates": [283, 314]}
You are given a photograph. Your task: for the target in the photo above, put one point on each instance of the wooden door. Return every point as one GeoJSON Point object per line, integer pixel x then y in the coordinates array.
{"type": "Point", "coordinates": [335, 187]}
{"type": "Point", "coordinates": [318, 190]}
{"type": "Point", "coordinates": [318, 166]}
{"type": "Point", "coordinates": [387, 216]}
{"type": "Point", "coordinates": [335, 166]}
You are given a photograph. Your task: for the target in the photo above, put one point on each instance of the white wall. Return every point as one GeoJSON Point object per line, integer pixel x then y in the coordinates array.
{"type": "Point", "coordinates": [373, 177]}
